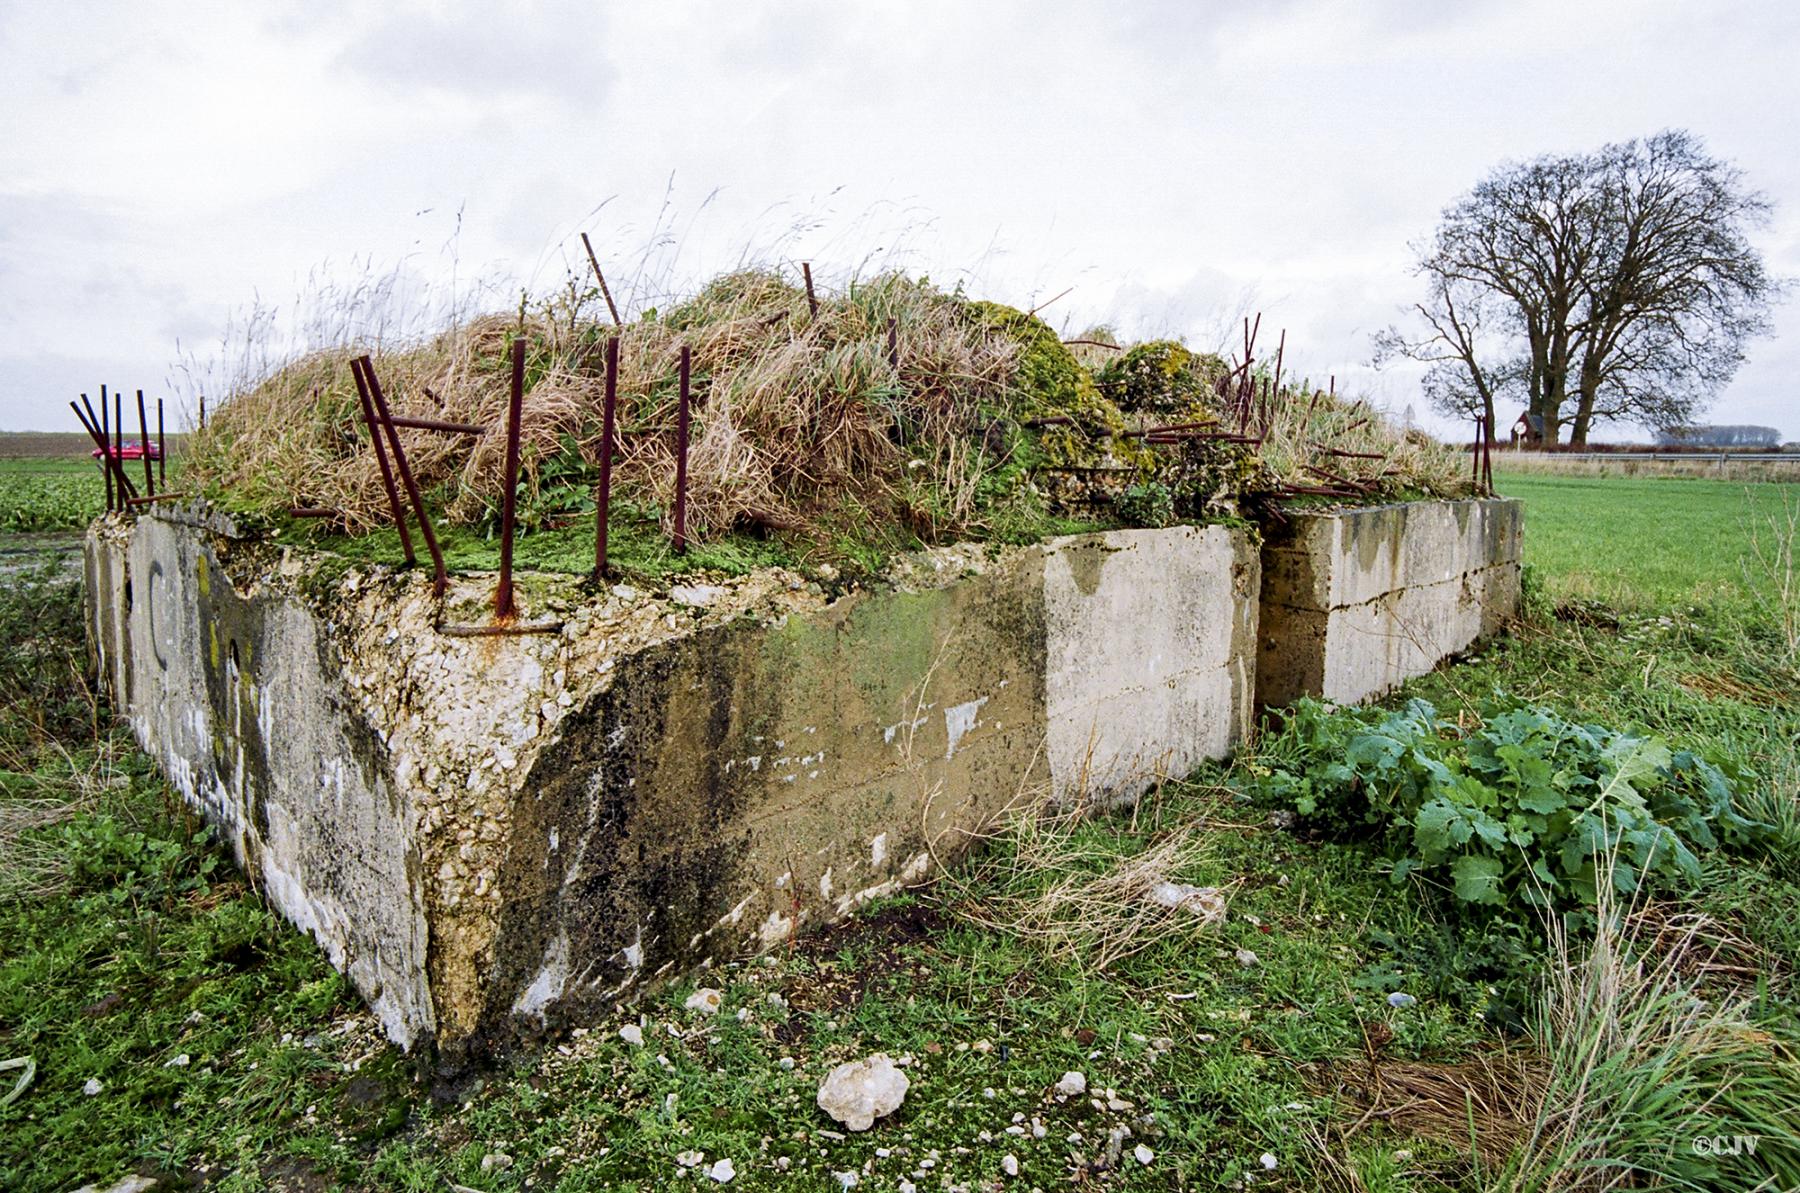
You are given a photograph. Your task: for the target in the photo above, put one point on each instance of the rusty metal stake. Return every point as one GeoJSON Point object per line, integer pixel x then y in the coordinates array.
{"type": "Point", "coordinates": [894, 343]}
{"type": "Point", "coordinates": [387, 474]}
{"type": "Point", "coordinates": [1475, 456]}
{"type": "Point", "coordinates": [144, 446]}
{"type": "Point", "coordinates": [1487, 456]}
{"type": "Point", "coordinates": [812, 301]}
{"type": "Point", "coordinates": [203, 412]}
{"type": "Point", "coordinates": [112, 500]}
{"type": "Point", "coordinates": [119, 430]}
{"type": "Point", "coordinates": [604, 292]}
{"type": "Point", "coordinates": [440, 577]}
{"type": "Point", "coordinates": [162, 454]}
{"type": "Point", "coordinates": [93, 430]}
{"type": "Point", "coordinates": [504, 606]}
{"type": "Point", "coordinates": [437, 424]}
{"type": "Point", "coordinates": [603, 498]}
{"type": "Point", "coordinates": [681, 454]}
{"type": "Point", "coordinates": [499, 631]}
{"type": "Point", "coordinates": [115, 472]}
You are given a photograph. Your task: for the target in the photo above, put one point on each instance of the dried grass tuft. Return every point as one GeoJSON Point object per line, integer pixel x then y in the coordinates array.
{"type": "Point", "coordinates": [1065, 891]}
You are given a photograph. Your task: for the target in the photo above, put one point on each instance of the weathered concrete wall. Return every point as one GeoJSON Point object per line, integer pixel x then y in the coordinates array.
{"type": "Point", "coordinates": [1356, 602]}
{"type": "Point", "coordinates": [241, 699]}
{"type": "Point", "coordinates": [494, 836]}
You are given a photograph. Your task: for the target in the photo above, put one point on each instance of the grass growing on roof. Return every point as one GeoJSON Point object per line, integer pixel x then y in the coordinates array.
{"type": "Point", "coordinates": [807, 430]}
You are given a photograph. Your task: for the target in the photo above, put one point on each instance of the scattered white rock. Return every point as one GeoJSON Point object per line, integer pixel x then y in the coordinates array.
{"type": "Point", "coordinates": [1400, 1000]}
{"type": "Point", "coordinates": [496, 1162]}
{"type": "Point", "coordinates": [705, 1000]}
{"type": "Point", "coordinates": [1246, 958]}
{"type": "Point", "coordinates": [92, 1087]}
{"type": "Point", "coordinates": [180, 1062]}
{"type": "Point", "coordinates": [1268, 1160]}
{"type": "Point", "coordinates": [625, 592]}
{"type": "Point", "coordinates": [1144, 1155]}
{"type": "Point", "coordinates": [847, 1180]}
{"type": "Point", "coordinates": [1072, 1085]}
{"type": "Point", "coordinates": [1009, 1164]}
{"type": "Point", "coordinates": [632, 1034]}
{"type": "Point", "coordinates": [1206, 903]}
{"type": "Point", "coordinates": [689, 1159]}
{"type": "Point", "coordinates": [859, 1092]}
{"type": "Point", "coordinates": [722, 1171]}
{"type": "Point", "coordinates": [786, 1063]}
{"type": "Point", "coordinates": [697, 596]}
{"type": "Point", "coordinates": [130, 1184]}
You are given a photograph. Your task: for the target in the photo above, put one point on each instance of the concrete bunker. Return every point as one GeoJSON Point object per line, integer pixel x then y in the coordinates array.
{"type": "Point", "coordinates": [496, 836]}
{"type": "Point", "coordinates": [1357, 601]}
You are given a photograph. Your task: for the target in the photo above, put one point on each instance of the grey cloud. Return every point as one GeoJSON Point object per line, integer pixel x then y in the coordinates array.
{"type": "Point", "coordinates": [560, 52]}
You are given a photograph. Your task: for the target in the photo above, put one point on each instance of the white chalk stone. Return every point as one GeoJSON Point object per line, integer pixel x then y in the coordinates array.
{"type": "Point", "coordinates": [859, 1092]}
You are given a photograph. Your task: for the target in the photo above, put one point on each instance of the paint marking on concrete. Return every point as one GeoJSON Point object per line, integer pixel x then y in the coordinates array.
{"type": "Point", "coordinates": [958, 721]}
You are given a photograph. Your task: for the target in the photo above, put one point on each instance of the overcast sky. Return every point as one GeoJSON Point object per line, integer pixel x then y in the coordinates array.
{"type": "Point", "coordinates": [165, 165]}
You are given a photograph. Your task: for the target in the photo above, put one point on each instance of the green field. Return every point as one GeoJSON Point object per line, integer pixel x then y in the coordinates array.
{"type": "Point", "coordinates": [1644, 542]}
{"type": "Point", "coordinates": [1356, 1050]}
{"type": "Point", "coordinates": [48, 494]}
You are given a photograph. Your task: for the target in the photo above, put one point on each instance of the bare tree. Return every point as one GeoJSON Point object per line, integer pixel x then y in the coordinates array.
{"type": "Point", "coordinates": [1616, 285]}
{"type": "Point", "coordinates": [1460, 343]}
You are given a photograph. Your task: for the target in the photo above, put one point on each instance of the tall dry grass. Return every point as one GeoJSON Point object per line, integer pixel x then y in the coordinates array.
{"type": "Point", "coordinates": [1649, 1065]}
{"type": "Point", "coordinates": [793, 415]}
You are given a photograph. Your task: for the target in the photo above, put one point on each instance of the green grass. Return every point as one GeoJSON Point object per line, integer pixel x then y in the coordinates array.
{"type": "Point", "coordinates": [136, 944]}
{"type": "Point", "coordinates": [1641, 542]}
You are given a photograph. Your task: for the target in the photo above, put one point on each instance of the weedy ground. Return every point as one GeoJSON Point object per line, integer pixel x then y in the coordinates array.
{"type": "Point", "coordinates": [222, 1052]}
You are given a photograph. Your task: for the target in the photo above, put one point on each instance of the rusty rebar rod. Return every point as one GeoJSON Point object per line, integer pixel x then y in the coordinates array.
{"type": "Point", "coordinates": [381, 459]}
{"type": "Point", "coordinates": [144, 446]}
{"type": "Point", "coordinates": [498, 631]}
{"type": "Point", "coordinates": [115, 471]}
{"type": "Point", "coordinates": [504, 606]}
{"type": "Point", "coordinates": [812, 300]}
{"type": "Point", "coordinates": [681, 453]}
{"type": "Point", "coordinates": [99, 439]}
{"type": "Point", "coordinates": [1487, 456]}
{"type": "Point", "coordinates": [437, 424]}
{"type": "Point", "coordinates": [440, 577]}
{"type": "Point", "coordinates": [162, 454]}
{"type": "Point", "coordinates": [604, 292]}
{"type": "Point", "coordinates": [119, 430]}
{"type": "Point", "coordinates": [112, 500]}
{"type": "Point", "coordinates": [893, 343]}
{"type": "Point", "coordinates": [603, 498]}
{"type": "Point", "coordinates": [106, 462]}
{"type": "Point", "coordinates": [1475, 456]}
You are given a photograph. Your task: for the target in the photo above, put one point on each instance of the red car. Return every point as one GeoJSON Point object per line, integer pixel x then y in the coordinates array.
{"type": "Point", "coordinates": [133, 451]}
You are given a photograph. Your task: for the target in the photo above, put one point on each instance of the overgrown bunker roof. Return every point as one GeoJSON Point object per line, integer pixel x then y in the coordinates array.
{"type": "Point", "coordinates": [891, 416]}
